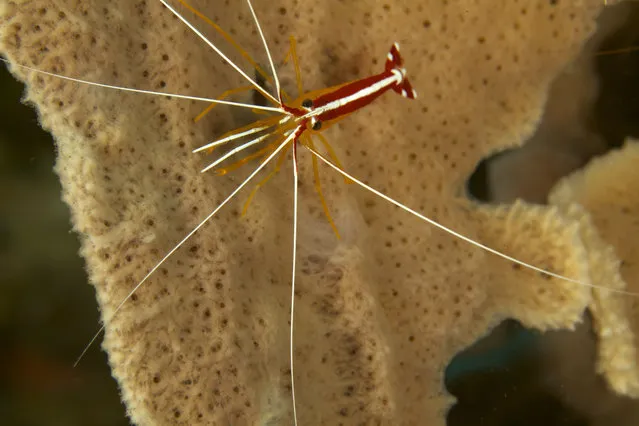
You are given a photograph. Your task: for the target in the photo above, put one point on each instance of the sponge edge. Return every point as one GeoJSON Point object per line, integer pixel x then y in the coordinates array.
{"type": "Point", "coordinates": [606, 190]}
{"type": "Point", "coordinates": [378, 316]}
{"type": "Point", "coordinates": [546, 238]}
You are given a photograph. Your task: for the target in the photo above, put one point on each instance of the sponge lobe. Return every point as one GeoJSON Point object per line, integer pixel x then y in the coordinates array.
{"type": "Point", "coordinates": [606, 190]}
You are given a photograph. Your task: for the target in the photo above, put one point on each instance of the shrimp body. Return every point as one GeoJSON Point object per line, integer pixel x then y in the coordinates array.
{"type": "Point", "coordinates": [322, 108]}
{"type": "Point", "coordinates": [308, 115]}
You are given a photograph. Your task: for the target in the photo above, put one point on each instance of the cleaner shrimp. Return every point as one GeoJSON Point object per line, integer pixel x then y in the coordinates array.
{"type": "Point", "coordinates": [294, 124]}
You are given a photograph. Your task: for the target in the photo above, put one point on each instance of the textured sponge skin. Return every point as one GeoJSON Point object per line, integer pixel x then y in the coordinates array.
{"type": "Point", "coordinates": [380, 312]}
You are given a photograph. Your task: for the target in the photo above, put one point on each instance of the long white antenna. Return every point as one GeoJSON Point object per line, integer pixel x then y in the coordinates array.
{"type": "Point", "coordinates": [234, 136]}
{"type": "Point", "coordinates": [460, 236]}
{"type": "Point", "coordinates": [291, 345]}
{"type": "Point", "coordinates": [185, 239]}
{"type": "Point", "coordinates": [222, 55]}
{"type": "Point", "coordinates": [230, 138]}
{"type": "Point", "coordinates": [268, 51]}
{"type": "Point", "coordinates": [147, 92]}
{"type": "Point", "coordinates": [235, 151]}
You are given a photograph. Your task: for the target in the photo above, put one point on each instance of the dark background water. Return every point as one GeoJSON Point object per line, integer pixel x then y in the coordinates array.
{"type": "Point", "coordinates": [48, 311]}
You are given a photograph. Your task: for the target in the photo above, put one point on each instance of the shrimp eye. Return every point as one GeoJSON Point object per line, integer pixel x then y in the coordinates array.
{"type": "Point", "coordinates": [307, 103]}
{"type": "Point", "coordinates": [317, 125]}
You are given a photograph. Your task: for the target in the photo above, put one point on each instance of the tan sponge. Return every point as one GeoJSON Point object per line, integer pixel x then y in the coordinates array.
{"type": "Point", "coordinates": [379, 313]}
